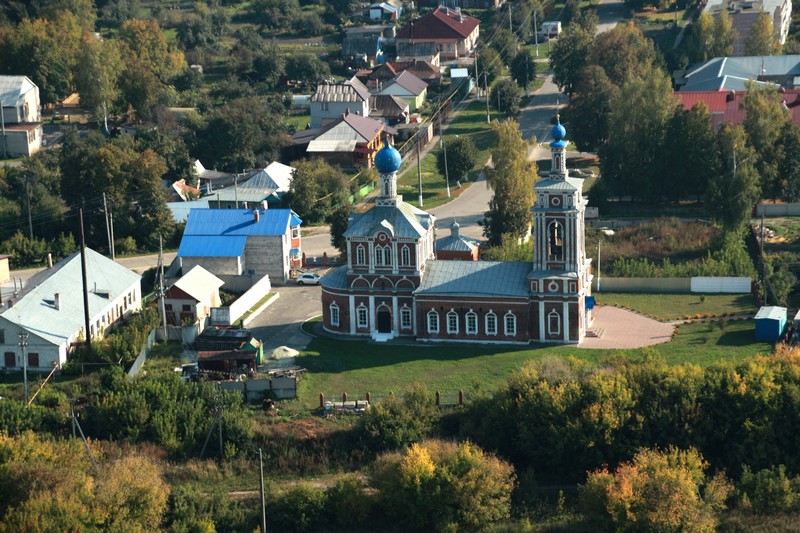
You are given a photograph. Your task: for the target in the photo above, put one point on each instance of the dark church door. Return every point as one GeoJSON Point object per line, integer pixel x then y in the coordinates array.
{"type": "Point", "coordinates": [384, 322]}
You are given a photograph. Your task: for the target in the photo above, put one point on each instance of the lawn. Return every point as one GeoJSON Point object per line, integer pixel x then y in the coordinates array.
{"type": "Point", "coordinates": [356, 366]}
{"type": "Point", "coordinates": [674, 306]}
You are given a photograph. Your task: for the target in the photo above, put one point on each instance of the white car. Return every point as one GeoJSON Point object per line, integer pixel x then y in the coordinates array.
{"type": "Point", "coordinates": [308, 278]}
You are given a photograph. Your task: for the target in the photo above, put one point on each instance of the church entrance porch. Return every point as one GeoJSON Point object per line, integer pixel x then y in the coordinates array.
{"type": "Point", "coordinates": [384, 320]}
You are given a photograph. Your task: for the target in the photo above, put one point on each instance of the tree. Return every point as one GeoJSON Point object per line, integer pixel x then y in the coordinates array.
{"type": "Point", "coordinates": [569, 55]}
{"type": "Point", "coordinates": [624, 53]}
{"type": "Point", "coordinates": [735, 189]}
{"type": "Point", "coordinates": [505, 43]}
{"type": "Point", "coordinates": [763, 124]}
{"type": "Point", "coordinates": [396, 423]}
{"type": "Point", "coordinates": [760, 39]}
{"type": "Point", "coordinates": [512, 179]}
{"type": "Point", "coordinates": [462, 157]}
{"type": "Point", "coordinates": [686, 152]}
{"type": "Point", "coordinates": [701, 39]}
{"type": "Point", "coordinates": [506, 95]}
{"type": "Point", "coordinates": [490, 65]}
{"type": "Point", "coordinates": [315, 190]}
{"type": "Point", "coordinates": [97, 76]}
{"type": "Point", "coordinates": [631, 159]}
{"type": "Point", "coordinates": [523, 68]}
{"type": "Point", "coordinates": [657, 491]}
{"type": "Point", "coordinates": [147, 42]}
{"type": "Point", "coordinates": [338, 221]}
{"type": "Point", "coordinates": [438, 485]}
{"type": "Point", "coordinates": [307, 69]}
{"type": "Point", "coordinates": [590, 107]}
{"type": "Point", "coordinates": [131, 490]}
{"type": "Point", "coordinates": [724, 35]}
{"type": "Point", "coordinates": [116, 12]}
{"type": "Point", "coordinates": [789, 165]}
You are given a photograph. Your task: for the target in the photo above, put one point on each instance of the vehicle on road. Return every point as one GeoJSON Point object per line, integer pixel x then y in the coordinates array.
{"type": "Point", "coordinates": [308, 278]}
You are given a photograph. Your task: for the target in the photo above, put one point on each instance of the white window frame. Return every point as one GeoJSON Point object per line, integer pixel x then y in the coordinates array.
{"type": "Point", "coordinates": [405, 256]}
{"type": "Point", "coordinates": [471, 323]}
{"type": "Point", "coordinates": [387, 256]}
{"type": "Point", "coordinates": [510, 330]}
{"type": "Point", "coordinates": [491, 328]}
{"type": "Point", "coordinates": [433, 321]}
{"type": "Point", "coordinates": [452, 322]}
{"type": "Point", "coordinates": [378, 256]}
{"type": "Point", "coordinates": [361, 257]}
{"type": "Point", "coordinates": [362, 315]}
{"type": "Point", "coordinates": [334, 309]}
{"type": "Point", "coordinates": [553, 314]}
{"type": "Point", "coordinates": [405, 318]}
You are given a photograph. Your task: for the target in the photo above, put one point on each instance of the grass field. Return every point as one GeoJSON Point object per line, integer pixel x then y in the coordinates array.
{"type": "Point", "coordinates": [356, 366]}
{"type": "Point", "coordinates": [675, 306]}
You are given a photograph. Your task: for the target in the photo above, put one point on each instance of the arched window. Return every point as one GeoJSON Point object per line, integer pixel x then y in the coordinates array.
{"type": "Point", "coordinates": [386, 188]}
{"type": "Point", "coordinates": [387, 256]}
{"type": "Point", "coordinates": [510, 324]}
{"type": "Point", "coordinates": [553, 323]}
{"type": "Point", "coordinates": [472, 323]}
{"type": "Point", "coordinates": [491, 323]}
{"type": "Point", "coordinates": [405, 318]}
{"type": "Point", "coordinates": [452, 322]}
{"type": "Point", "coordinates": [433, 321]}
{"type": "Point", "coordinates": [360, 256]}
{"type": "Point", "coordinates": [405, 256]}
{"type": "Point", "coordinates": [379, 255]}
{"type": "Point", "coordinates": [362, 316]}
{"type": "Point", "coordinates": [555, 238]}
{"type": "Point", "coordinates": [334, 314]}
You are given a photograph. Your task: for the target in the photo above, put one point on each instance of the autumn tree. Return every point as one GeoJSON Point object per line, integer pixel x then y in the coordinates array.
{"type": "Point", "coordinates": [701, 38]}
{"type": "Point", "coordinates": [590, 107]}
{"type": "Point", "coordinates": [724, 35]}
{"type": "Point", "coordinates": [511, 179]}
{"type": "Point", "coordinates": [315, 190]}
{"type": "Point", "coordinates": [145, 40]}
{"type": "Point", "coordinates": [760, 39]}
{"type": "Point", "coordinates": [97, 78]}
{"type": "Point", "coordinates": [624, 53]}
{"type": "Point", "coordinates": [570, 54]}
{"type": "Point", "coordinates": [734, 190]}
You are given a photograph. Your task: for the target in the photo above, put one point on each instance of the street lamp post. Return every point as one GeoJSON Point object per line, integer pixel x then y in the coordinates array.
{"type": "Point", "coordinates": [23, 343]}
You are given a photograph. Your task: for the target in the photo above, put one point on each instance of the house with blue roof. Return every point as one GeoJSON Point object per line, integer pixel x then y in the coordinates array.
{"type": "Point", "coordinates": [51, 309]}
{"type": "Point", "coordinates": [242, 242]}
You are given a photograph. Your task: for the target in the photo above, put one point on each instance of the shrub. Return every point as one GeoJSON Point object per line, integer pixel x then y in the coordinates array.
{"type": "Point", "coordinates": [769, 491]}
{"type": "Point", "coordinates": [396, 423]}
{"type": "Point", "coordinates": [301, 508]}
{"type": "Point", "coordinates": [348, 504]}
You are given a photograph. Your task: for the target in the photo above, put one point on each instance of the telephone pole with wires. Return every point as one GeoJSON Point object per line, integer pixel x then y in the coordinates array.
{"type": "Point", "coordinates": [161, 304]}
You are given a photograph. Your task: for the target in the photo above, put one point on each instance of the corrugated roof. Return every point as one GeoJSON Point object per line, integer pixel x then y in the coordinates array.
{"type": "Point", "coordinates": [409, 82]}
{"type": "Point", "coordinates": [212, 246]}
{"type": "Point", "coordinates": [336, 279]}
{"type": "Point", "coordinates": [771, 312]}
{"type": "Point", "coordinates": [387, 105]}
{"type": "Point", "coordinates": [13, 87]}
{"type": "Point", "coordinates": [237, 222]}
{"type": "Point", "coordinates": [475, 278]}
{"type": "Point", "coordinates": [732, 72]}
{"type": "Point", "coordinates": [35, 310]}
{"type": "Point", "coordinates": [206, 174]}
{"type": "Point", "coordinates": [197, 282]}
{"type": "Point", "coordinates": [456, 243]}
{"type": "Point", "coordinates": [728, 108]}
{"type": "Point", "coordinates": [259, 185]}
{"type": "Point", "coordinates": [329, 146]}
{"type": "Point", "coordinates": [412, 49]}
{"type": "Point", "coordinates": [402, 221]}
{"type": "Point", "coordinates": [180, 210]}
{"type": "Point", "coordinates": [441, 23]}
{"type": "Point", "coordinates": [568, 184]}
{"type": "Point", "coordinates": [340, 92]}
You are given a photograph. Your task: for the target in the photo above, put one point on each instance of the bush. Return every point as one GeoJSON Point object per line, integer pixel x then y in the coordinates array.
{"type": "Point", "coordinates": [348, 504]}
{"type": "Point", "coordinates": [301, 508]}
{"type": "Point", "coordinates": [396, 423]}
{"type": "Point", "coordinates": [769, 491]}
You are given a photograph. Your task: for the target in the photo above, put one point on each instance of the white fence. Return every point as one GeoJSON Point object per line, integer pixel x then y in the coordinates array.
{"type": "Point", "coordinates": [145, 351]}
{"type": "Point", "coordinates": [710, 285]}
{"type": "Point", "coordinates": [227, 316]}
{"type": "Point", "coordinates": [778, 210]}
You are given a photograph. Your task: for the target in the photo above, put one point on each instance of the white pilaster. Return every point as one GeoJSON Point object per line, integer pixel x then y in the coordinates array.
{"type": "Point", "coordinates": [541, 321]}
{"type": "Point", "coordinates": [565, 322]}
{"type": "Point", "coordinates": [372, 314]}
{"type": "Point", "coordinates": [395, 317]}
{"type": "Point", "coordinates": [352, 315]}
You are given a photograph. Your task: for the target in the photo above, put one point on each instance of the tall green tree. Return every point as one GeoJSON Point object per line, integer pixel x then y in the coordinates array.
{"type": "Point", "coordinates": [511, 179]}
{"type": "Point", "coordinates": [686, 152]}
{"type": "Point", "coordinates": [760, 39]}
{"type": "Point", "coordinates": [734, 190]}
{"type": "Point", "coordinates": [147, 42]}
{"type": "Point", "coordinates": [569, 55]}
{"type": "Point", "coordinates": [523, 68]}
{"type": "Point", "coordinates": [789, 165]}
{"type": "Point", "coordinates": [764, 122]}
{"type": "Point", "coordinates": [97, 78]}
{"type": "Point", "coordinates": [490, 65]}
{"type": "Point", "coordinates": [631, 159]}
{"type": "Point", "coordinates": [701, 39]}
{"type": "Point", "coordinates": [724, 35]}
{"type": "Point", "coordinates": [462, 157]}
{"type": "Point", "coordinates": [505, 43]}
{"type": "Point", "coordinates": [316, 189]}
{"type": "Point", "coordinates": [590, 107]}
{"type": "Point", "coordinates": [624, 53]}
{"type": "Point", "coordinates": [507, 95]}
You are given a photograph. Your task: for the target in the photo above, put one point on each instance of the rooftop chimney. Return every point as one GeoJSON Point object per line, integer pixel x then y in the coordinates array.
{"type": "Point", "coordinates": [57, 301]}
{"type": "Point", "coordinates": [264, 205]}
{"type": "Point", "coordinates": [255, 215]}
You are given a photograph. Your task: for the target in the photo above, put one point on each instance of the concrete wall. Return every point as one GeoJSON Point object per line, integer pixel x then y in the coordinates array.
{"type": "Point", "coordinates": [21, 142]}
{"type": "Point", "coordinates": [321, 117]}
{"type": "Point", "coordinates": [778, 210]}
{"type": "Point", "coordinates": [219, 266]}
{"type": "Point", "coordinates": [243, 303]}
{"type": "Point", "coordinates": [253, 390]}
{"type": "Point", "coordinates": [673, 285]}
{"type": "Point", "coordinates": [268, 255]}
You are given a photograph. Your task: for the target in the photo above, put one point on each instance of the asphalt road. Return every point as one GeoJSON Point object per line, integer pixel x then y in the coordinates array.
{"type": "Point", "coordinates": [279, 324]}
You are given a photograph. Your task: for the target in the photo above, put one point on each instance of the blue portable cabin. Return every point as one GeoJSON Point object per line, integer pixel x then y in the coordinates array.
{"type": "Point", "coordinates": [770, 323]}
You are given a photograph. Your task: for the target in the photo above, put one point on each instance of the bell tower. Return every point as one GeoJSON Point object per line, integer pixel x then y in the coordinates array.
{"type": "Point", "coordinates": [388, 161]}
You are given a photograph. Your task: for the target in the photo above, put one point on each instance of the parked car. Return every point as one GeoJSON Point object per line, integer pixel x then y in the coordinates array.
{"type": "Point", "coordinates": [308, 278]}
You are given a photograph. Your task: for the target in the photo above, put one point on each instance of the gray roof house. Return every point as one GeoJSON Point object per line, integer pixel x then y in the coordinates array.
{"type": "Point", "coordinates": [733, 73]}
{"type": "Point", "coordinates": [50, 309]}
{"type": "Point", "coordinates": [332, 100]}
{"type": "Point", "coordinates": [266, 185]}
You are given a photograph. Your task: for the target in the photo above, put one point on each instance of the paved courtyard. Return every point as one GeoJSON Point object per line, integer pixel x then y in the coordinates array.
{"type": "Point", "coordinates": [625, 329]}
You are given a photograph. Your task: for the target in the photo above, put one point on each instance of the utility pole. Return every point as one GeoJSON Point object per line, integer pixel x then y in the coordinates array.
{"type": "Point", "coordinates": [161, 286]}
{"type": "Point", "coordinates": [261, 490]}
{"type": "Point", "coordinates": [111, 223]}
{"type": "Point", "coordinates": [83, 437]}
{"type": "Point", "coordinates": [85, 287]}
{"type": "Point", "coordinates": [419, 166]}
{"type": "Point", "coordinates": [23, 343]}
{"type": "Point", "coordinates": [527, 76]}
{"type": "Point", "coordinates": [28, 198]}
{"type": "Point", "coordinates": [444, 150]}
{"type": "Point", "coordinates": [236, 189]}
{"type": "Point", "coordinates": [535, 30]}
{"type": "Point", "coordinates": [477, 78]}
{"type": "Point", "coordinates": [3, 124]}
{"type": "Point", "coordinates": [598, 264]}
{"type": "Point", "coordinates": [486, 90]}
{"type": "Point", "coordinates": [108, 227]}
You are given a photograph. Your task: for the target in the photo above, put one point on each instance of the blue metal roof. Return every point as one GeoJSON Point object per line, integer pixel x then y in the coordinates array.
{"type": "Point", "coordinates": [295, 220]}
{"type": "Point", "coordinates": [238, 222]}
{"type": "Point", "coordinates": [212, 246]}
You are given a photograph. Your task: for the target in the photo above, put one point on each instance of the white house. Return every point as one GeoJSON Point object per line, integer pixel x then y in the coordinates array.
{"type": "Point", "coordinates": [21, 133]}
{"type": "Point", "coordinates": [332, 100]}
{"type": "Point", "coordinates": [50, 310]}
{"type": "Point", "coordinates": [192, 297]}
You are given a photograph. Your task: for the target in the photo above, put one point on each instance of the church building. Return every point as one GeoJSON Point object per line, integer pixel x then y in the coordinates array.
{"type": "Point", "coordinates": [393, 285]}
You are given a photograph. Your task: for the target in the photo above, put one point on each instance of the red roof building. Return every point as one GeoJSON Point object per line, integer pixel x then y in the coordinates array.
{"type": "Point", "coordinates": [453, 32]}
{"type": "Point", "coordinates": [727, 107]}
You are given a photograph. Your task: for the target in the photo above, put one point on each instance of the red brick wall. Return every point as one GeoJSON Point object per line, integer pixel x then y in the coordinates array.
{"type": "Point", "coordinates": [499, 306]}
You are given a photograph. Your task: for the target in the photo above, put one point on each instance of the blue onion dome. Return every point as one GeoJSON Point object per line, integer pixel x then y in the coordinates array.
{"type": "Point", "coordinates": [558, 132]}
{"type": "Point", "coordinates": [388, 159]}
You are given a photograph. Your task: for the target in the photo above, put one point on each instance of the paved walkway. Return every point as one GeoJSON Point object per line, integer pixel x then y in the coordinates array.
{"type": "Point", "coordinates": [625, 329]}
